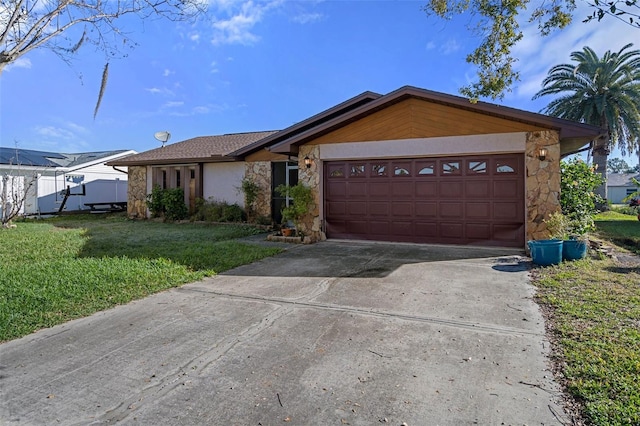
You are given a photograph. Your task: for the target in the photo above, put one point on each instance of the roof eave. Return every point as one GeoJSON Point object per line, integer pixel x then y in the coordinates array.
{"type": "Point", "coordinates": [172, 161]}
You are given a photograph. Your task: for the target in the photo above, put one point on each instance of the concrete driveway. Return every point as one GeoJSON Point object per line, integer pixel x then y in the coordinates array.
{"type": "Point", "coordinates": [334, 333]}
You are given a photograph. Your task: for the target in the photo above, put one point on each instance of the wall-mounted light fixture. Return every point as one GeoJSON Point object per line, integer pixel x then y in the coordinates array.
{"type": "Point", "coordinates": [542, 154]}
{"type": "Point", "coordinates": [307, 161]}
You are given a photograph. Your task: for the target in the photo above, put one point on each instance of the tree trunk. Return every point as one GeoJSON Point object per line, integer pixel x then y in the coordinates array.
{"type": "Point", "coordinates": [600, 155]}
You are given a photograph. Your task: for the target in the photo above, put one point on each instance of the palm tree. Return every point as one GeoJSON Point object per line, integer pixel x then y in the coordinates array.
{"type": "Point", "coordinates": [603, 92]}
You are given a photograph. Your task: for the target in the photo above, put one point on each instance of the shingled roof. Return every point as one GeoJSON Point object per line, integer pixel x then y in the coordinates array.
{"type": "Point", "coordinates": [195, 150]}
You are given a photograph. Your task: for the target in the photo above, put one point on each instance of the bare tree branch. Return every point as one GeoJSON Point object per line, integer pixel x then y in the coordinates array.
{"type": "Point", "coordinates": [26, 25]}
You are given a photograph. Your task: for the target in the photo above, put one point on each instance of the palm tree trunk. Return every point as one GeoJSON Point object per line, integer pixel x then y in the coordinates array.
{"type": "Point", "coordinates": [600, 155]}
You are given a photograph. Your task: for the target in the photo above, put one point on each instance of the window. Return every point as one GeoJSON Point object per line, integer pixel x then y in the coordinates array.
{"type": "Point", "coordinates": [502, 167]}
{"type": "Point", "coordinates": [630, 191]}
{"type": "Point", "coordinates": [402, 169]}
{"type": "Point", "coordinates": [336, 173]}
{"type": "Point", "coordinates": [379, 170]}
{"type": "Point", "coordinates": [450, 167]}
{"type": "Point", "coordinates": [357, 170]}
{"type": "Point", "coordinates": [428, 169]}
{"type": "Point", "coordinates": [477, 167]}
{"type": "Point", "coordinates": [164, 179]}
{"type": "Point", "coordinates": [193, 173]}
{"type": "Point", "coordinates": [178, 178]}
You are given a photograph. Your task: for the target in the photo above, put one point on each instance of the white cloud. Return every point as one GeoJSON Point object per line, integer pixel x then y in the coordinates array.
{"type": "Point", "coordinates": [214, 67]}
{"type": "Point", "coordinates": [54, 132]}
{"type": "Point", "coordinates": [238, 27]}
{"type": "Point", "coordinates": [19, 63]}
{"type": "Point", "coordinates": [306, 18]}
{"type": "Point", "coordinates": [449, 46]}
{"type": "Point", "coordinates": [201, 110]}
{"type": "Point", "coordinates": [195, 37]}
{"type": "Point", "coordinates": [66, 137]}
{"type": "Point", "coordinates": [173, 104]}
{"type": "Point", "coordinates": [430, 46]}
{"type": "Point", "coordinates": [160, 91]}
{"type": "Point", "coordinates": [167, 72]}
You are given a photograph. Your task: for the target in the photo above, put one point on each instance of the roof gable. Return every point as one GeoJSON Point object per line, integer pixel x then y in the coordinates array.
{"type": "Point", "coordinates": [570, 132]}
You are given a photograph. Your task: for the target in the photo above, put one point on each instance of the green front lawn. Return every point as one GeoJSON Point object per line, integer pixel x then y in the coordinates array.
{"type": "Point", "coordinates": [55, 270]}
{"type": "Point", "coordinates": [622, 229]}
{"type": "Point", "coordinates": [594, 314]}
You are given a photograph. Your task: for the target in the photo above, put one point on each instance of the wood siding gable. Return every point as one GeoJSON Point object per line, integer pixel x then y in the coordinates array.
{"type": "Point", "coordinates": [416, 118]}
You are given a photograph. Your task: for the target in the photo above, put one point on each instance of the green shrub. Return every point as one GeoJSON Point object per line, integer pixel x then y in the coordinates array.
{"type": "Point", "coordinates": [218, 211]}
{"type": "Point", "coordinates": [174, 206]}
{"type": "Point", "coordinates": [251, 190]}
{"type": "Point", "coordinates": [302, 199]}
{"type": "Point", "coordinates": [167, 203]}
{"type": "Point", "coordinates": [577, 197]}
{"type": "Point", "coordinates": [155, 202]}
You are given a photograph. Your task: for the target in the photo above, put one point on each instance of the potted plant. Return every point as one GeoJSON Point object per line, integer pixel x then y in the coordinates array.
{"type": "Point", "coordinates": [549, 252]}
{"type": "Point", "coordinates": [572, 232]}
{"type": "Point", "coordinates": [302, 199]}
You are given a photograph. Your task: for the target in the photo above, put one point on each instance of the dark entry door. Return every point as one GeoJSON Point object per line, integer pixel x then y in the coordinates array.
{"type": "Point", "coordinates": [475, 200]}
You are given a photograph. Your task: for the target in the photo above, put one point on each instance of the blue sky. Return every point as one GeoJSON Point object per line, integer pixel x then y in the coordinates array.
{"type": "Point", "coordinates": [260, 65]}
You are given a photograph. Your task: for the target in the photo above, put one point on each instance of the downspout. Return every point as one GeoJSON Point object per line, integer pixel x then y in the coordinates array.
{"type": "Point", "coordinates": [119, 170]}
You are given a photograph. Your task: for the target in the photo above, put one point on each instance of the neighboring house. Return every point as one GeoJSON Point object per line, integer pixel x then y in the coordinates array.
{"type": "Point", "coordinates": [620, 186]}
{"type": "Point", "coordinates": [413, 165]}
{"type": "Point", "coordinates": [50, 173]}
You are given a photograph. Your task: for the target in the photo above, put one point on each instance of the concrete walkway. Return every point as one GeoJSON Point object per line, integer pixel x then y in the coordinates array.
{"type": "Point", "coordinates": [334, 333]}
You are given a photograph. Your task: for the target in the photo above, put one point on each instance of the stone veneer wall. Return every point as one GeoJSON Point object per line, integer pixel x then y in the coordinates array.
{"type": "Point", "coordinates": [542, 184]}
{"type": "Point", "coordinates": [137, 192]}
{"type": "Point", "coordinates": [260, 173]}
{"type": "Point", "coordinates": [312, 224]}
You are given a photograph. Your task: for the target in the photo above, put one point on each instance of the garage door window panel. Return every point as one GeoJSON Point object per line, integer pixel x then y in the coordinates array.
{"type": "Point", "coordinates": [380, 170]}
{"type": "Point", "coordinates": [426, 168]}
{"type": "Point", "coordinates": [357, 171]}
{"type": "Point", "coordinates": [477, 167]}
{"type": "Point", "coordinates": [402, 169]}
{"type": "Point", "coordinates": [450, 168]}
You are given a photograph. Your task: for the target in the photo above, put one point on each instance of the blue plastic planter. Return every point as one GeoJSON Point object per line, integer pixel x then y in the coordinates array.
{"type": "Point", "coordinates": [546, 252]}
{"type": "Point", "coordinates": [574, 249]}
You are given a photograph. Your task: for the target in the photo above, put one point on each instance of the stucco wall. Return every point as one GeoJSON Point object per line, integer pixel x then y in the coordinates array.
{"type": "Point", "coordinates": [137, 192]}
{"type": "Point", "coordinates": [222, 180]}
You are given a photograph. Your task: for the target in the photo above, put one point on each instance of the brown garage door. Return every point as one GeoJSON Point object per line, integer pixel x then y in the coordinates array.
{"type": "Point", "coordinates": [452, 200]}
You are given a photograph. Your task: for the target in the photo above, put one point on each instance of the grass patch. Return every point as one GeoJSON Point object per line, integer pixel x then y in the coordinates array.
{"type": "Point", "coordinates": [621, 229]}
{"type": "Point", "coordinates": [56, 270]}
{"type": "Point", "coordinates": [593, 311]}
